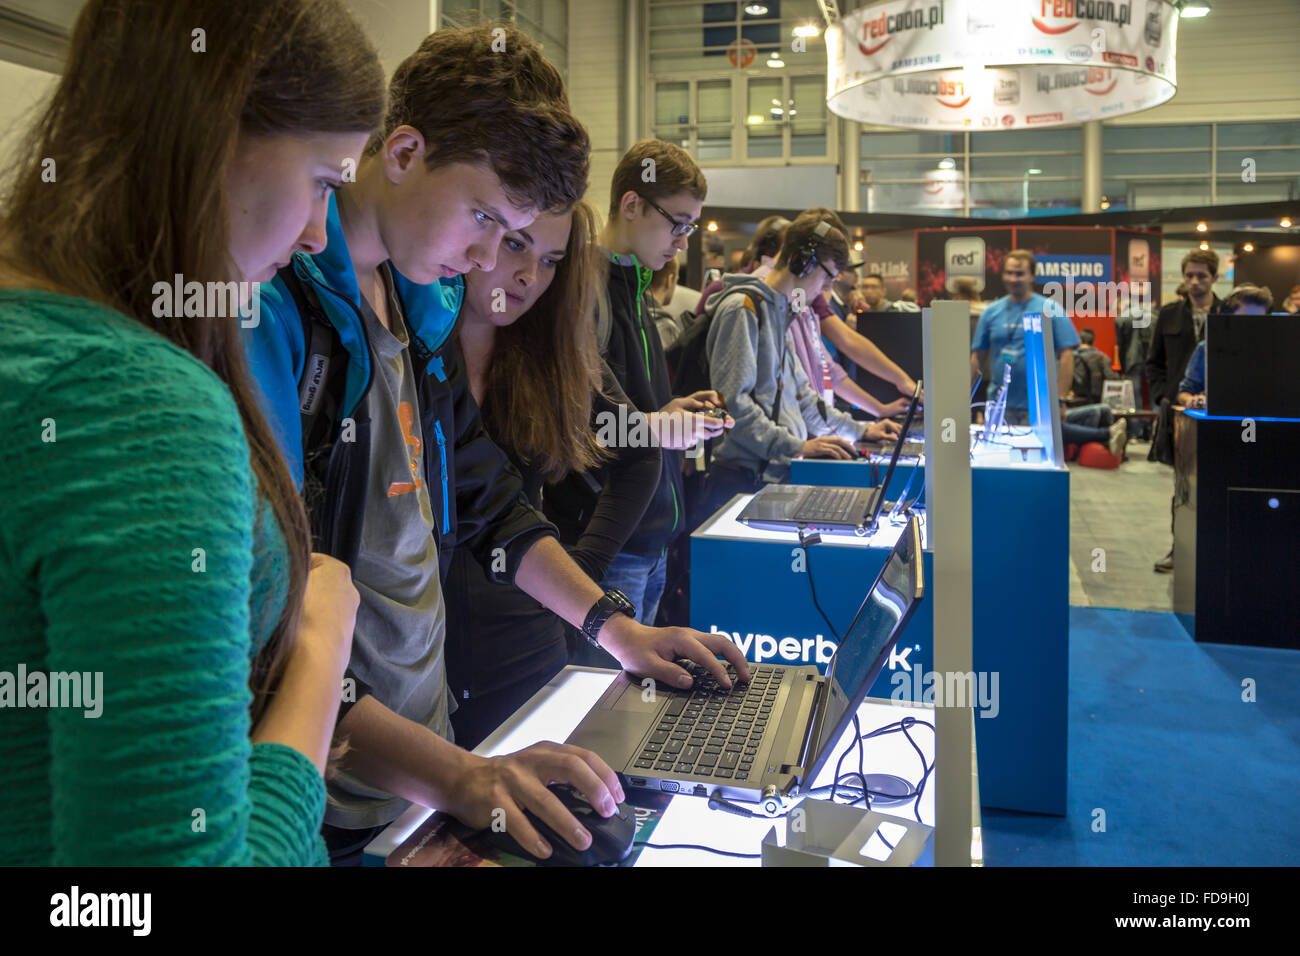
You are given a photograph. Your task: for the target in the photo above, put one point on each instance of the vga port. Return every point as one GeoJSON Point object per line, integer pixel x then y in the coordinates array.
{"type": "Point", "coordinates": [669, 786]}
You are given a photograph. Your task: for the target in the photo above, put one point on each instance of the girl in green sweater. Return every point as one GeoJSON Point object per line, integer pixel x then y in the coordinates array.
{"type": "Point", "coordinates": [170, 651]}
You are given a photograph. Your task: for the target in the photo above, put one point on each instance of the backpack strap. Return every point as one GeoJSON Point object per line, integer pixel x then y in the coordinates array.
{"type": "Point", "coordinates": [604, 318]}
{"type": "Point", "coordinates": [324, 374]}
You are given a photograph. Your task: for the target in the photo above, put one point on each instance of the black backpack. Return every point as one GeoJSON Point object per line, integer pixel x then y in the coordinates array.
{"type": "Point", "coordinates": [688, 358]}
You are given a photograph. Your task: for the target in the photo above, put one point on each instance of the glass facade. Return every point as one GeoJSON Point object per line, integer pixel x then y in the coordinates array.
{"type": "Point", "coordinates": [732, 84]}
{"type": "Point", "coordinates": [545, 21]}
{"type": "Point", "coordinates": [1039, 172]}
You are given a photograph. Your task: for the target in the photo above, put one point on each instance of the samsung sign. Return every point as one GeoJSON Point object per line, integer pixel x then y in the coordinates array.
{"type": "Point", "coordinates": [1078, 268]}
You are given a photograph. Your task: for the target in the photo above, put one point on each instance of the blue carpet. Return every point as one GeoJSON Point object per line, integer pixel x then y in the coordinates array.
{"type": "Point", "coordinates": [1186, 772]}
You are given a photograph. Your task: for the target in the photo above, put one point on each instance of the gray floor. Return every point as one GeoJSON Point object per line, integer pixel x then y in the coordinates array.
{"type": "Point", "coordinates": [1125, 514]}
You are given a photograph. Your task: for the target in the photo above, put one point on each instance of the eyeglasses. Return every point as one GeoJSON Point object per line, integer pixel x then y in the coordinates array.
{"type": "Point", "coordinates": [679, 228]}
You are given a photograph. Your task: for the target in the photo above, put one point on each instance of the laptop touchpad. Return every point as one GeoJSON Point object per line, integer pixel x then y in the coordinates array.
{"type": "Point", "coordinates": [638, 699]}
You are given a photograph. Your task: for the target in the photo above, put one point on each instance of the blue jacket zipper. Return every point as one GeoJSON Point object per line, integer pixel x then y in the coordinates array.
{"type": "Point", "coordinates": [442, 457]}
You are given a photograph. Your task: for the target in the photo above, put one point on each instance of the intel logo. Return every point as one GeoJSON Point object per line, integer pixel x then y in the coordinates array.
{"type": "Point", "coordinates": [1080, 53]}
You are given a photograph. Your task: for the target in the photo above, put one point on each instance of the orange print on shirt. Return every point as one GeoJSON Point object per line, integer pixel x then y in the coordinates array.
{"type": "Point", "coordinates": [406, 415]}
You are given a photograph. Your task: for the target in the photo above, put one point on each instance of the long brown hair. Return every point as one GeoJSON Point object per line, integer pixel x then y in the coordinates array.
{"type": "Point", "coordinates": [141, 128]}
{"type": "Point", "coordinates": [545, 367]}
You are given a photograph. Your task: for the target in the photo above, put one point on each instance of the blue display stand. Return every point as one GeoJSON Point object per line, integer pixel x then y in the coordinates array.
{"type": "Point", "coordinates": [754, 587]}
{"type": "Point", "coordinates": [743, 583]}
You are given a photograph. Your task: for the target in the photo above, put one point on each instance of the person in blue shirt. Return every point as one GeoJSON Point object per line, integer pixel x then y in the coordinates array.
{"type": "Point", "coordinates": [1245, 300]}
{"type": "Point", "coordinates": [1000, 334]}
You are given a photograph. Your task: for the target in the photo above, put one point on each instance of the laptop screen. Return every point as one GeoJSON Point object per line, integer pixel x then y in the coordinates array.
{"type": "Point", "coordinates": [866, 645]}
{"type": "Point", "coordinates": [878, 499]}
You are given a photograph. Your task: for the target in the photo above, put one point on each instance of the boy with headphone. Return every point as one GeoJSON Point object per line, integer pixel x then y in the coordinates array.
{"type": "Point", "coordinates": [753, 362]}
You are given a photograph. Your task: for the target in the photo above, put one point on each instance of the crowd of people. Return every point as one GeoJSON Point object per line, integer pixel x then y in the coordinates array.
{"type": "Point", "coordinates": [320, 553]}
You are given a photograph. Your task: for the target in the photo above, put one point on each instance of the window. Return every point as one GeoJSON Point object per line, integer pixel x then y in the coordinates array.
{"type": "Point", "coordinates": [728, 82]}
{"type": "Point", "coordinates": [1033, 172]}
{"type": "Point", "coordinates": [1008, 175]}
{"type": "Point", "coordinates": [545, 21]}
{"type": "Point", "coordinates": [1145, 167]}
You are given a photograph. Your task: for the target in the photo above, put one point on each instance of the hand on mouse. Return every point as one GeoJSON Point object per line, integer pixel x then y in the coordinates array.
{"type": "Point", "coordinates": [517, 782]}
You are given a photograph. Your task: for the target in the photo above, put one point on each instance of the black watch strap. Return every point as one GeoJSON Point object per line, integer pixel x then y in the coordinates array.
{"type": "Point", "coordinates": [613, 602]}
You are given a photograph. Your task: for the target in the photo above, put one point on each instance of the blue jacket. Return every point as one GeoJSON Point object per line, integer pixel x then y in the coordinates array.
{"type": "Point", "coordinates": [1194, 377]}
{"type": "Point", "coordinates": [476, 493]}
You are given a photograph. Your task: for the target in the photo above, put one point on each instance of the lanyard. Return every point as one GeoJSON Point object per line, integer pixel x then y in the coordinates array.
{"type": "Point", "coordinates": [814, 337]}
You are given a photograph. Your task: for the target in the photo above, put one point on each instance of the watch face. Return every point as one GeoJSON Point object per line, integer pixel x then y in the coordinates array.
{"type": "Point", "coordinates": [621, 600]}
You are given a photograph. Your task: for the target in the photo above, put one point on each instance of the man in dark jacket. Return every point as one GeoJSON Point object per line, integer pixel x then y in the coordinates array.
{"type": "Point", "coordinates": [1179, 326]}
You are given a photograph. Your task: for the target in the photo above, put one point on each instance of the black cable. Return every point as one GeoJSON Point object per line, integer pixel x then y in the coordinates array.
{"type": "Point", "coordinates": [696, 846]}
{"type": "Point", "coordinates": [806, 541]}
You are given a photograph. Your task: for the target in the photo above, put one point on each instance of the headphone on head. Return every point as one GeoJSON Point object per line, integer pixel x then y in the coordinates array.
{"type": "Point", "coordinates": [804, 261]}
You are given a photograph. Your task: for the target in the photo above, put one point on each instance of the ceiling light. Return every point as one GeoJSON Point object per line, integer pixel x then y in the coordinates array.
{"type": "Point", "coordinates": [1248, 247]}
{"type": "Point", "coordinates": [1201, 227]}
{"type": "Point", "coordinates": [947, 163]}
{"type": "Point", "coordinates": [1205, 246]}
{"type": "Point", "coordinates": [1105, 204]}
{"type": "Point", "coordinates": [1033, 172]}
{"type": "Point", "coordinates": [1191, 9]}
{"type": "Point", "coordinates": [753, 120]}
{"type": "Point", "coordinates": [1286, 222]}
{"type": "Point", "coordinates": [807, 30]}
{"type": "Point", "coordinates": [759, 10]}
{"type": "Point", "coordinates": [857, 246]}
{"type": "Point", "coordinates": [776, 62]}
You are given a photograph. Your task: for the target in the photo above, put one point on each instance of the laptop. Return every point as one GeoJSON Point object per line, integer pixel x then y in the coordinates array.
{"type": "Point", "coordinates": [771, 736]}
{"type": "Point", "coordinates": [827, 510]}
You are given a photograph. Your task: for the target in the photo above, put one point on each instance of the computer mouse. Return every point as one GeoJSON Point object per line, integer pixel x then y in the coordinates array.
{"type": "Point", "coordinates": [611, 837]}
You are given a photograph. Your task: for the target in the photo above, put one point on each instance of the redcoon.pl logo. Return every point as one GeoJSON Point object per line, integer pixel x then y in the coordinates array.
{"type": "Point", "coordinates": [877, 31]}
{"type": "Point", "coordinates": [1055, 17]}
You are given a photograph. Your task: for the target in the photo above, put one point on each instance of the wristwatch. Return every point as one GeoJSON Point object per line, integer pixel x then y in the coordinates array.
{"type": "Point", "coordinates": [614, 602]}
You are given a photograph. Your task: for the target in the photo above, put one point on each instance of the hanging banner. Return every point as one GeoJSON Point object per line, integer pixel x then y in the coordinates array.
{"type": "Point", "coordinates": [976, 65]}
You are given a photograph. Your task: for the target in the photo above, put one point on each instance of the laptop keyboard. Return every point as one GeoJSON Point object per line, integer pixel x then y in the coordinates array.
{"type": "Point", "coordinates": [827, 504]}
{"type": "Point", "coordinates": [710, 731]}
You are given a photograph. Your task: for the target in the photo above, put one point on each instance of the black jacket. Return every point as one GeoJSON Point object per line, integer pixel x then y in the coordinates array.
{"type": "Point", "coordinates": [498, 635]}
{"type": "Point", "coordinates": [636, 357]}
{"type": "Point", "coordinates": [1172, 340]}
